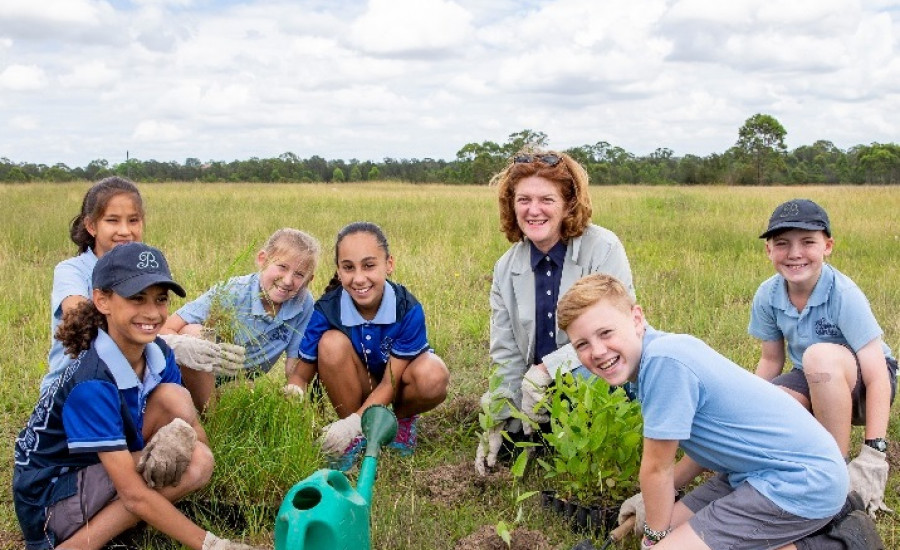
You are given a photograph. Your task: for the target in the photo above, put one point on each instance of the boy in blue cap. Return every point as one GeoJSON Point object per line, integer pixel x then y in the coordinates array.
{"type": "Point", "coordinates": [780, 481]}
{"type": "Point", "coordinates": [842, 371]}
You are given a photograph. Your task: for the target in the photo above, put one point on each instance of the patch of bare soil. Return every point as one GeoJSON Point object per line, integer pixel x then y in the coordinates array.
{"type": "Point", "coordinates": [486, 538]}
{"type": "Point", "coordinates": [11, 539]}
{"type": "Point", "coordinates": [893, 455]}
{"type": "Point", "coordinates": [455, 483]}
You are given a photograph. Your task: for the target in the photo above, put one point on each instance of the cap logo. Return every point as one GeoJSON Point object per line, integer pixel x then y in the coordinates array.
{"type": "Point", "coordinates": [790, 209]}
{"type": "Point", "coordinates": [147, 260]}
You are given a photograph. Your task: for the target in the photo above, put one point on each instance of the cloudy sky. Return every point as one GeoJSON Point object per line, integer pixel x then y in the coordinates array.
{"type": "Point", "coordinates": [367, 79]}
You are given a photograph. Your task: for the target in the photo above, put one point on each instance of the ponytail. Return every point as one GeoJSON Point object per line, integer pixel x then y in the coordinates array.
{"type": "Point", "coordinates": [334, 283]}
{"type": "Point", "coordinates": [79, 328]}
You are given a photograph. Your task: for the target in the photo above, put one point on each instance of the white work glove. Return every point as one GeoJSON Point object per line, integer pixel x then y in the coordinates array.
{"type": "Point", "coordinates": [212, 542]}
{"type": "Point", "coordinates": [293, 391]}
{"type": "Point", "coordinates": [168, 454]}
{"type": "Point", "coordinates": [634, 506]}
{"type": "Point", "coordinates": [205, 356]}
{"type": "Point", "coordinates": [868, 477]}
{"type": "Point", "coordinates": [336, 437]}
{"type": "Point", "coordinates": [489, 444]}
{"type": "Point", "coordinates": [534, 385]}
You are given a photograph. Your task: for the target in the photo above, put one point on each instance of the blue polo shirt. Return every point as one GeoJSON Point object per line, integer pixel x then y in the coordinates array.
{"type": "Point", "coordinates": [95, 405]}
{"type": "Point", "coordinates": [265, 338]}
{"type": "Point", "coordinates": [71, 277]}
{"type": "Point", "coordinates": [837, 312]}
{"type": "Point", "coordinates": [397, 329]}
{"type": "Point", "coordinates": [733, 422]}
{"type": "Point", "coordinates": [547, 277]}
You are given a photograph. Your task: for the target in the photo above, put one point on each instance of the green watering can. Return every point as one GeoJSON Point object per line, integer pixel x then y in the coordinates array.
{"type": "Point", "coordinates": [323, 512]}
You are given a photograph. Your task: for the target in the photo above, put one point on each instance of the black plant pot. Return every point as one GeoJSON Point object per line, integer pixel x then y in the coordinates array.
{"type": "Point", "coordinates": [547, 497]}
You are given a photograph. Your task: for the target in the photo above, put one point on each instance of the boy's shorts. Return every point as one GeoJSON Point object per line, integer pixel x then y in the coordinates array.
{"type": "Point", "coordinates": [742, 518]}
{"type": "Point", "coordinates": [795, 380]}
{"type": "Point", "coordinates": [95, 490]}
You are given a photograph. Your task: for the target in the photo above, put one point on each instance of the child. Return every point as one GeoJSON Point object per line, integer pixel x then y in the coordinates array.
{"type": "Point", "coordinates": [842, 370]}
{"type": "Point", "coordinates": [367, 338]}
{"type": "Point", "coordinates": [112, 212]}
{"type": "Point", "coordinates": [269, 310]}
{"type": "Point", "coordinates": [780, 477]}
{"type": "Point", "coordinates": [82, 472]}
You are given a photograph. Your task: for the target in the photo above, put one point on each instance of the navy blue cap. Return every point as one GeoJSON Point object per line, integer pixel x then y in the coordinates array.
{"type": "Point", "coordinates": [129, 268]}
{"type": "Point", "coordinates": [798, 214]}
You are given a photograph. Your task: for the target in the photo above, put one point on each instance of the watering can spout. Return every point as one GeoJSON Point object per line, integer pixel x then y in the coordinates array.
{"type": "Point", "coordinates": [379, 425]}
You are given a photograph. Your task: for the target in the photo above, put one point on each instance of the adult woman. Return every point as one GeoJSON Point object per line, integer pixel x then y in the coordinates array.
{"type": "Point", "coordinates": [545, 211]}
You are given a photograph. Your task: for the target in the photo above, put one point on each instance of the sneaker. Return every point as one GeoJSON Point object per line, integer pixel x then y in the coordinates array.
{"type": "Point", "coordinates": [346, 460]}
{"type": "Point", "coordinates": [405, 441]}
{"type": "Point", "coordinates": [858, 532]}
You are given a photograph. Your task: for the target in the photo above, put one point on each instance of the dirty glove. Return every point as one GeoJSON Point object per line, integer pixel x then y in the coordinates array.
{"type": "Point", "coordinates": [338, 435]}
{"type": "Point", "coordinates": [868, 477]}
{"type": "Point", "coordinates": [212, 542]}
{"type": "Point", "coordinates": [489, 444]}
{"type": "Point", "coordinates": [168, 454]}
{"type": "Point", "coordinates": [534, 384]}
{"type": "Point", "coordinates": [634, 506]}
{"type": "Point", "coordinates": [205, 356]}
{"type": "Point", "coordinates": [293, 391]}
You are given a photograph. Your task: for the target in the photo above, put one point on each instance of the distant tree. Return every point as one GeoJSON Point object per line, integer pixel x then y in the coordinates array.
{"type": "Point", "coordinates": [355, 173]}
{"type": "Point", "coordinates": [374, 174]}
{"type": "Point", "coordinates": [524, 138]}
{"type": "Point", "coordinates": [337, 175]}
{"type": "Point", "coordinates": [761, 139]}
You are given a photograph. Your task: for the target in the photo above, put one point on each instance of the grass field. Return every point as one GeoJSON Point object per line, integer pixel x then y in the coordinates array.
{"type": "Point", "coordinates": [696, 263]}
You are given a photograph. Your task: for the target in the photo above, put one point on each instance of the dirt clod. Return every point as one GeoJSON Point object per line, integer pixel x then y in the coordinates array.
{"type": "Point", "coordinates": [486, 538]}
{"type": "Point", "coordinates": [449, 485]}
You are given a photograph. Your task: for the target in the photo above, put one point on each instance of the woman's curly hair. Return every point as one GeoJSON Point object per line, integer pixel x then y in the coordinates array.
{"type": "Point", "coordinates": [79, 327]}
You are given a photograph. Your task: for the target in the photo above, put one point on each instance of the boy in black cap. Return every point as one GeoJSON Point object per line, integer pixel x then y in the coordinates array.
{"type": "Point", "coordinates": [841, 371]}
{"type": "Point", "coordinates": [83, 473]}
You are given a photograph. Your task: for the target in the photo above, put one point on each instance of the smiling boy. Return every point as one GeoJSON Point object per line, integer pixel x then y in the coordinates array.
{"type": "Point", "coordinates": [842, 371]}
{"type": "Point", "coordinates": [780, 479]}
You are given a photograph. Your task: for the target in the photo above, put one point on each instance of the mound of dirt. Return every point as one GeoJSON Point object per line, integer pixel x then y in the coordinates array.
{"type": "Point", "coordinates": [455, 483]}
{"type": "Point", "coordinates": [486, 538]}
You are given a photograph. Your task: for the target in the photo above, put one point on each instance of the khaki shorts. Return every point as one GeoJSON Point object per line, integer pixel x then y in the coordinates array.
{"type": "Point", "coordinates": [95, 490]}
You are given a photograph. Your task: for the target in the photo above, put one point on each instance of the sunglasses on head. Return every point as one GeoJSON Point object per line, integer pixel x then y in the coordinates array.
{"type": "Point", "coordinates": [549, 159]}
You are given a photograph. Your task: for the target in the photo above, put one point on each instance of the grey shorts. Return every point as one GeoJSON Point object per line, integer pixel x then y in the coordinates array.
{"type": "Point", "coordinates": [742, 518]}
{"type": "Point", "coordinates": [95, 491]}
{"type": "Point", "coordinates": [796, 381]}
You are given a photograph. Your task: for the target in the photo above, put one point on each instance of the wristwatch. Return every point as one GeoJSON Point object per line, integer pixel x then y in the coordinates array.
{"type": "Point", "coordinates": [879, 444]}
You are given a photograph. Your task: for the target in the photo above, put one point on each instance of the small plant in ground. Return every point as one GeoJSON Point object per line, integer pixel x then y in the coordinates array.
{"type": "Point", "coordinates": [595, 441]}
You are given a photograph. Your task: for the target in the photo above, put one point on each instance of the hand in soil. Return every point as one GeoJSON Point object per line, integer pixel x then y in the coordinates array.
{"type": "Point", "coordinates": [488, 447]}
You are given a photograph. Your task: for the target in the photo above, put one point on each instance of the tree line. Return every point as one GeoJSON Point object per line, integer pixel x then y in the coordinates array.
{"type": "Point", "coordinates": [759, 157]}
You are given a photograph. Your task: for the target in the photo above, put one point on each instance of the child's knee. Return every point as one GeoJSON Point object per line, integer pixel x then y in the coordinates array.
{"type": "Point", "coordinates": [166, 403]}
{"type": "Point", "coordinates": [333, 343]}
{"type": "Point", "coordinates": [199, 472]}
{"type": "Point", "coordinates": [434, 378]}
{"type": "Point", "coordinates": [824, 357]}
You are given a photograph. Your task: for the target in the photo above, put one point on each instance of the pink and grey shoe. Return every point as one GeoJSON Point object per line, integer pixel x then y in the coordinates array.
{"type": "Point", "coordinates": [346, 460]}
{"type": "Point", "coordinates": [405, 441]}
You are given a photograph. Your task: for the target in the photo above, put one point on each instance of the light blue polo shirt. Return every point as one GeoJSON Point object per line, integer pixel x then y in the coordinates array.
{"type": "Point", "coordinates": [837, 312]}
{"type": "Point", "coordinates": [265, 338]}
{"type": "Point", "coordinates": [733, 422]}
{"type": "Point", "coordinates": [71, 277]}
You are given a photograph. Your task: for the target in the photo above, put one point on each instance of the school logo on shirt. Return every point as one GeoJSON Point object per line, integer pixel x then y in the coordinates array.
{"type": "Point", "coordinates": [147, 261]}
{"type": "Point", "coordinates": [386, 345]}
{"type": "Point", "coordinates": [825, 328]}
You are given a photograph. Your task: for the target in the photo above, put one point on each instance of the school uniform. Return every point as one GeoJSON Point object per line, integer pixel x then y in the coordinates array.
{"type": "Point", "coordinates": [513, 303]}
{"type": "Point", "coordinates": [97, 405]}
{"type": "Point", "coordinates": [264, 337]}
{"type": "Point", "coordinates": [397, 329]}
{"type": "Point", "coordinates": [71, 277]}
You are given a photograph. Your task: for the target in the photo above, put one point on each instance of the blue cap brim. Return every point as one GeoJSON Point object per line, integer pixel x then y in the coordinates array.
{"type": "Point", "coordinates": [784, 226]}
{"type": "Point", "coordinates": [138, 284]}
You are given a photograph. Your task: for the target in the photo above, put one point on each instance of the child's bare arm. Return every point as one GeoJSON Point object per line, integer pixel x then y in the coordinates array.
{"type": "Point", "coordinates": [771, 360]}
{"type": "Point", "coordinates": [173, 325]}
{"type": "Point", "coordinates": [386, 391]}
{"type": "Point", "coordinates": [877, 383]}
{"type": "Point", "coordinates": [299, 372]}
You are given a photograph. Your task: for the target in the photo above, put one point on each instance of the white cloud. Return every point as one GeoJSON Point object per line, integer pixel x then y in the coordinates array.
{"type": "Point", "coordinates": [411, 28]}
{"type": "Point", "coordinates": [94, 74]}
{"type": "Point", "coordinates": [22, 78]}
{"type": "Point", "coordinates": [26, 123]}
{"type": "Point", "coordinates": [151, 131]}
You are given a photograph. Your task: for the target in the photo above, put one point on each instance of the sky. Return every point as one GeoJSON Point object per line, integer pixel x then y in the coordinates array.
{"type": "Point", "coordinates": [223, 80]}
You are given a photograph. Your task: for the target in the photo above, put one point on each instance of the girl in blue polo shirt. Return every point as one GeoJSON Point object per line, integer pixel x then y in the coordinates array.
{"type": "Point", "coordinates": [269, 310]}
{"type": "Point", "coordinates": [368, 341]}
{"type": "Point", "coordinates": [83, 473]}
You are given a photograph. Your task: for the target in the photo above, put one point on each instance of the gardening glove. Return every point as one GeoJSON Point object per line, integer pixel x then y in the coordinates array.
{"type": "Point", "coordinates": [168, 454]}
{"type": "Point", "coordinates": [489, 444]}
{"type": "Point", "coordinates": [634, 506]}
{"type": "Point", "coordinates": [205, 356]}
{"type": "Point", "coordinates": [534, 384]}
{"type": "Point", "coordinates": [338, 435]}
{"type": "Point", "coordinates": [293, 391]}
{"type": "Point", "coordinates": [868, 477]}
{"type": "Point", "coordinates": [212, 542]}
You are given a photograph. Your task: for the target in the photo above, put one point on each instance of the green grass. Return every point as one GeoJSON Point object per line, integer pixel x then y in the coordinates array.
{"type": "Point", "coordinates": [696, 263]}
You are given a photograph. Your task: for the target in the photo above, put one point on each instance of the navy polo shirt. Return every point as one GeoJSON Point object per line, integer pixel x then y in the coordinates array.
{"type": "Point", "coordinates": [397, 329]}
{"type": "Point", "coordinates": [547, 276]}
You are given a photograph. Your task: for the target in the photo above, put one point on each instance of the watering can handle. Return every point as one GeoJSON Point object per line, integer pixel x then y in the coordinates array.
{"type": "Point", "coordinates": [619, 532]}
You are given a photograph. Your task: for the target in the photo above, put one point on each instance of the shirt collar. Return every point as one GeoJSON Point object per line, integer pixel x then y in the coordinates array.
{"type": "Point", "coordinates": [121, 370]}
{"type": "Point", "coordinates": [288, 309]}
{"type": "Point", "coordinates": [557, 254]}
{"type": "Point", "coordinates": [386, 314]}
{"type": "Point", "coordinates": [819, 294]}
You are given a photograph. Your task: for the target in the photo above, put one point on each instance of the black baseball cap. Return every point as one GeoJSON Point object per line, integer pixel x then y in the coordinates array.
{"type": "Point", "coordinates": [129, 268]}
{"type": "Point", "coordinates": [798, 214]}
